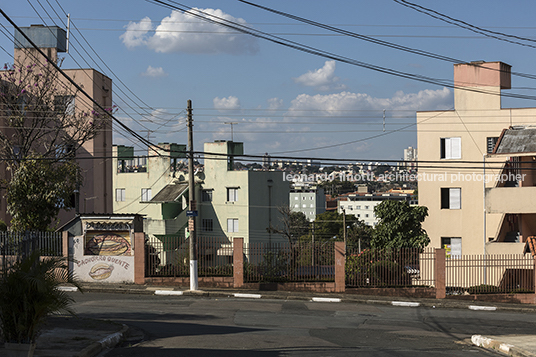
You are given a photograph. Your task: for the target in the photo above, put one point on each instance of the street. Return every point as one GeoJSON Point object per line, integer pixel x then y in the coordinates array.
{"type": "Point", "coordinates": [189, 326]}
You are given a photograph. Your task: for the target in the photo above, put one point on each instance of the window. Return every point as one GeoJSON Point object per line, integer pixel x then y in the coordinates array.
{"type": "Point", "coordinates": [357, 207]}
{"type": "Point", "coordinates": [232, 194]}
{"type": "Point", "coordinates": [64, 104]}
{"type": "Point", "coordinates": [452, 246]}
{"type": "Point", "coordinates": [350, 207]}
{"type": "Point", "coordinates": [451, 148]}
{"type": "Point", "coordinates": [366, 207]}
{"type": "Point", "coordinates": [366, 215]}
{"type": "Point", "coordinates": [490, 144]}
{"type": "Point", "coordinates": [312, 205]}
{"type": "Point", "coordinates": [451, 198]}
{"type": "Point", "coordinates": [120, 194]}
{"type": "Point", "coordinates": [296, 206]}
{"type": "Point", "coordinates": [146, 194]}
{"type": "Point", "coordinates": [295, 198]}
{"type": "Point", "coordinates": [304, 206]}
{"type": "Point", "coordinates": [206, 195]}
{"type": "Point", "coordinates": [232, 225]}
{"type": "Point", "coordinates": [207, 225]}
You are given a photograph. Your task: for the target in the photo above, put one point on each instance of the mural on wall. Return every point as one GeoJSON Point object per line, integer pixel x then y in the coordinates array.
{"type": "Point", "coordinates": [108, 243]}
{"type": "Point", "coordinates": [101, 271]}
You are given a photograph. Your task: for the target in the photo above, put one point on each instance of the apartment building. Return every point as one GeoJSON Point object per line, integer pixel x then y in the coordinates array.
{"type": "Point", "coordinates": [308, 199]}
{"type": "Point", "coordinates": [94, 157]}
{"type": "Point", "coordinates": [362, 205]}
{"type": "Point", "coordinates": [242, 203]}
{"type": "Point", "coordinates": [461, 184]}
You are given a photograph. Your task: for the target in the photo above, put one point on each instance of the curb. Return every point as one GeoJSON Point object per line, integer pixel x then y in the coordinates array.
{"type": "Point", "coordinates": [109, 341]}
{"type": "Point", "coordinates": [495, 345]}
{"type": "Point", "coordinates": [287, 295]}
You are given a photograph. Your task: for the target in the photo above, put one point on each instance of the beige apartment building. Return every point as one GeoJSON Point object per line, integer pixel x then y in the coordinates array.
{"type": "Point", "coordinates": [476, 203]}
{"type": "Point", "coordinates": [230, 203]}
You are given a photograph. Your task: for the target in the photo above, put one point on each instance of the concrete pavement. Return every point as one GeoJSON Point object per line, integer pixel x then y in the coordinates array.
{"type": "Point", "coordinates": [68, 336]}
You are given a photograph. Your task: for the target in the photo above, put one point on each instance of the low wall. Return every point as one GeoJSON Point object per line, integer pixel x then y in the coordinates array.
{"type": "Point", "coordinates": [401, 292]}
{"type": "Point", "coordinates": [319, 287]}
{"type": "Point", "coordinates": [501, 298]}
{"type": "Point", "coordinates": [203, 282]}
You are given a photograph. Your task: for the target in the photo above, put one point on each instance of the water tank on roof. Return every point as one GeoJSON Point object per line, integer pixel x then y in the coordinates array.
{"type": "Point", "coordinates": [42, 36]}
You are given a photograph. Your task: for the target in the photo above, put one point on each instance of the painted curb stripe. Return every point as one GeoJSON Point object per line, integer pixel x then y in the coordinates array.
{"type": "Point", "coordinates": [167, 292]}
{"type": "Point", "coordinates": [67, 288]}
{"type": "Point", "coordinates": [485, 308]}
{"type": "Point", "coordinates": [405, 303]}
{"type": "Point", "coordinates": [252, 296]}
{"type": "Point", "coordinates": [322, 299]}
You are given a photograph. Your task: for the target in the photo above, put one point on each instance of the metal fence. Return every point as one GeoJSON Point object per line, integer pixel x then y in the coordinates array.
{"type": "Point", "coordinates": [390, 268]}
{"type": "Point", "coordinates": [169, 256]}
{"type": "Point", "coordinates": [498, 273]}
{"type": "Point", "coordinates": [284, 262]}
{"type": "Point", "coordinates": [14, 245]}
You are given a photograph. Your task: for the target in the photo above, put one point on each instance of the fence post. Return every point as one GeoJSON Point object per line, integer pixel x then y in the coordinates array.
{"type": "Point", "coordinates": [238, 262]}
{"type": "Point", "coordinates": [65, 244]}
{"type": "Point", "coordinates": [440, 273]}
{"type": "Point", "coordinates": [340, 262]}
{"type": "Point", "coordinates": [139, 258]}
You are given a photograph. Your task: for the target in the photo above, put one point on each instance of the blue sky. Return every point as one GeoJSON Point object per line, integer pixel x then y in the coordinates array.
{"type": "Point", "coordinates": [284, 101]}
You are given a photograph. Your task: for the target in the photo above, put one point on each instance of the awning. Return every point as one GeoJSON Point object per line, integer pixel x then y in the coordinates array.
{"type": "Point", "coordinates": [170, 193]}
{"type": "Point", "coordinates": [530, 246]}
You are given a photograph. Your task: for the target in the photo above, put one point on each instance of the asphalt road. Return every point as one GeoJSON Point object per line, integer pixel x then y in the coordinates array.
{"type": "Point", "coordinates": [189, 326]}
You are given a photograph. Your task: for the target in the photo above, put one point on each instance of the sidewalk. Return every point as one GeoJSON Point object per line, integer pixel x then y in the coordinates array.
{"type": "Point", "coordinates": [70, 336]}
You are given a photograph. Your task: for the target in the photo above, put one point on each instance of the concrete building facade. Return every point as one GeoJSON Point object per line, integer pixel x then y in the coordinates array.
{"type": "Point", "coordinates": [94, 157]}
{"type": "Point", "coordinates": [310, 200]}
{"type": "Point", "coordinates": [460, 141]}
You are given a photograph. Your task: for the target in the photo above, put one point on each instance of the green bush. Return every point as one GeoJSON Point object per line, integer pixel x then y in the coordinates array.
{"type": "Point", "coordinates": [29, 293]}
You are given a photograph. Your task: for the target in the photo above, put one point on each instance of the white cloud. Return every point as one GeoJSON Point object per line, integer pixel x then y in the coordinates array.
{"type": "Point", "coordinates": [136, 34]}
{"type": "Point", "coordinates": [275, 103]}
{"type": "Point", "coordinates": [334, 103]}
{"type": "Point", "coordinates": [182, 32]}
{"type": "Point", "coordinates": [154, 72]}
{"type": "Point", "coordinates": [229, 103]}
{"type": "Point", "coordinates": [323, 78]}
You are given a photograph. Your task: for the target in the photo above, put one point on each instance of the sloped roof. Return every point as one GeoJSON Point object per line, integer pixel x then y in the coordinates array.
{"type": "Point", "coordinates": [170, 193]}
{"type": "Point", "coordinates": [517, 140]}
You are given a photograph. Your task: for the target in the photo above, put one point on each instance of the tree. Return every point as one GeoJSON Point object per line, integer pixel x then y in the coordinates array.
{"type": "Point", "coordinates": [359, 235]}
{"type": "Point", "coordinates": [330, 224]}
{"type": "Point", "coordinates": [293, 224]}
{"type": "Point", "coordinates": [38, 190]}
{"type": "Point", "coordinates": [43, 129]}
{"type": "Point", "coordinates": [399, 225]}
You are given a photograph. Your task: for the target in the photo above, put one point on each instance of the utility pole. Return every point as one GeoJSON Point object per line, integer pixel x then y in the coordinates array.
{"type": "Point", "coordinates": [192, 204]}
{"type": "Point", "coordinates": [344, 226]}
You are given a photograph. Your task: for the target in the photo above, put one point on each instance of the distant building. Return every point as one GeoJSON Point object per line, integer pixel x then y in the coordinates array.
{"type": "Point", "coordinates": [266, 161]}
{"type": "Point", "coordinates": [309, 200]}
{"type": "Point", "coordinates": [410, 158]}
{"type": "Point", "coordinates": [362, 205]}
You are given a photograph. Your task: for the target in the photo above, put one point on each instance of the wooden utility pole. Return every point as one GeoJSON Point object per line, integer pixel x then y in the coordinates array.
{"type": "Point", "coordinates": [192, 204]}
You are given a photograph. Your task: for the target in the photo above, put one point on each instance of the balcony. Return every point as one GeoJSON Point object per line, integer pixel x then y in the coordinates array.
{"type": "Point", "coordinates": [511, 200]}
